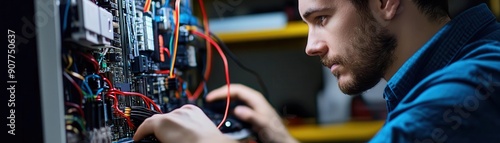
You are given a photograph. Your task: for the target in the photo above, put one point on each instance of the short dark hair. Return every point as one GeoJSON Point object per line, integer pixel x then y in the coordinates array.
{"type": "Point", "coordinates": [436, 10]}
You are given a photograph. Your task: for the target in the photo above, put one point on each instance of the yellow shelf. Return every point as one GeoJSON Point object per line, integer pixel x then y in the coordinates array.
{"type": "Point", "coordinates": [495, 7]}
{"type": "Point", "coordinates": [293, 29]}
{"type": "Point", "coordinates": [349, 131]}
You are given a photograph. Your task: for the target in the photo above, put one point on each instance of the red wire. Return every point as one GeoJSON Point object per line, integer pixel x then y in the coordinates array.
{"type": "Point", "coordinates": [208, 69]}
{"type": "Point", "coordinates": [166, 50]}
{"type": "Point", "coordinates": [121, 93]}
{"type": "Point", "coordinates": [77, 107]}
{"type": "Point", "coordinates": [188, 93]}
{"type": "Point", "coordinates": [226, 68]}
{"type": "Point", "coordinates": [144, 97]}
{"type": "Point", "coordinates": [163, 71]}
{"type": "Point", "coordinates": [107, 81]}
{"type": "Point", "coordinates": [119, 112]}
{"type": "Point", "coordinates": [91, 59]}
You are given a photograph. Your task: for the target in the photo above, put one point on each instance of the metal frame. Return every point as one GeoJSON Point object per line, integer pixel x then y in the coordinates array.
{"type": "Point", "coordinates": [50, 73]}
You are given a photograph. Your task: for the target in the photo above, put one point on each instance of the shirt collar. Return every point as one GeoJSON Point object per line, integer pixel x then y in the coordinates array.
{"type": "Point", "coordinates": [438, 52]}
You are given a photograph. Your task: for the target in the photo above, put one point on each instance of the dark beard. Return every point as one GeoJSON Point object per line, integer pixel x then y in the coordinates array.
{"type": "Point", "coordinates": [368, 59]}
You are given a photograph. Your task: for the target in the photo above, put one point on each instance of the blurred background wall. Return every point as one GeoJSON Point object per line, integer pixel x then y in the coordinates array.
{"type": "Point", "coordinates": [296, 83]}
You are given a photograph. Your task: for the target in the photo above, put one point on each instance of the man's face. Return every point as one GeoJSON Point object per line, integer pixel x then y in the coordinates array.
{"type": "Point", "coordinates": [356, 48]}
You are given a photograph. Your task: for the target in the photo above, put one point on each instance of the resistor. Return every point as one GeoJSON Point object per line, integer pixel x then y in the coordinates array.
{"type": "Point", "coordinates": [127, 111]}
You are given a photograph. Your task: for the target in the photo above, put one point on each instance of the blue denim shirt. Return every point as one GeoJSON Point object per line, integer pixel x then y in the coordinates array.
{"type": "Point", "coordinates": [449, 90]}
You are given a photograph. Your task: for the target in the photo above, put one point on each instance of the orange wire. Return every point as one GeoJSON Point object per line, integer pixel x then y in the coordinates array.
{"type": "Point", "coordinates": [226, 69]}
{"type": "Point", "coordinates": [176, 39]}
{"type": "Point", "coordinates": [147, 5]}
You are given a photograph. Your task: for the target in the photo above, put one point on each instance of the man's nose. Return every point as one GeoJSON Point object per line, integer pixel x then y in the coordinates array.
{"type": "Point", "coordinates": [315, 46]}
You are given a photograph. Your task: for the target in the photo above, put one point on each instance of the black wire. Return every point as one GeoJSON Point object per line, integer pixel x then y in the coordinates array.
{"type": "Point", "coordinates": [242, 66]}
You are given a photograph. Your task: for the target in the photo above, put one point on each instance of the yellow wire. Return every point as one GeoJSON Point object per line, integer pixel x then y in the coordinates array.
{"type": "Point", "coordinates": [70, 62]}
{"type": "Point", "coordinates": [79, 76]}
{"type": "Point", "coordinates": [176, 39]}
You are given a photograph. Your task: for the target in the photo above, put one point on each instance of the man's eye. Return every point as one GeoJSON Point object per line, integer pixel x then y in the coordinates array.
{"type": "Point", "coordinates": [321, 20]}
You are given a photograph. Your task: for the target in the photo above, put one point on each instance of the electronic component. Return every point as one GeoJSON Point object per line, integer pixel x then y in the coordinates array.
{"type": "Point", "coordinates": [88, 24]}
{"type": "Point", "coordinates": [106, 26]}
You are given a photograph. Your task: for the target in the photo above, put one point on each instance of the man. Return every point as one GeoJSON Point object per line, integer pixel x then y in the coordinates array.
{"type": "Point", "coordinates": [443, 74]}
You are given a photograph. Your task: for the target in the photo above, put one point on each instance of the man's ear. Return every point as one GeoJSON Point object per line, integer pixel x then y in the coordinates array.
{"type": "Point", "coordinates": [384, 10]}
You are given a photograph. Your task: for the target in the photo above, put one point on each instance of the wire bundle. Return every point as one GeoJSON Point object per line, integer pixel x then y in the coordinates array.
{"type": "Point", "coordinates": [85, 91]}
{"type": "Point", "coordinates": [207, 36]}
{"type": "Point", "coordinates": [139, 113]}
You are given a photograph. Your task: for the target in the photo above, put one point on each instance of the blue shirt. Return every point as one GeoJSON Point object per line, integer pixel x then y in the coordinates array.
{"type": "Point", "coordinates": [449, 90]}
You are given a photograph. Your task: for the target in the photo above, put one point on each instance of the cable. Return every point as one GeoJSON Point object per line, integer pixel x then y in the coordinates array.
{"type": "Point", "coordinates": [75, 85]}
{"type": "Point", "coordinates": [147, 5]}
{"type": "Point", "coordinates": [99, 91]}
{"type": "Point", "coordinates": [66, 11]}
{"type": "Point", "coordinates": [205, 90]}
{"type": "Point", "coordinates": [118, 111]}
{"type": "Point", "coordinates": [176, 30]}
{"type": "Point", "coordinates": [107, 81]}
{"type": "Point", "coordinates": [77, 107]}
{"type": "Point", "coordinates": [70, 62]}
{"type": "Point", "coordinates": [77, 120]}
{"type": "Point", "coordinates": [86, 83]}
{"type": "Point", "coordinates": [168, 52]}
{"type": "Point", "coordinates": [138, 114]}
{"type": "Point", "coordinates": [114, 91]}
{"type": "Point", "coordinates": [103, 54]}
{"type": "Point", "coordinates": [228, 52]}
{"type": "Point", "coordinates": [144, 97]}
{"type": "Point", "coordinates": [226, 68]}
{"type": "Point", "coordinates": [92, 60]}
{"type": "Point", "coordinates": [163, 72]}
{"type": "Point", "coordinates": [208, 63]}
{"type": "Point", "coordinates": [162, 48]}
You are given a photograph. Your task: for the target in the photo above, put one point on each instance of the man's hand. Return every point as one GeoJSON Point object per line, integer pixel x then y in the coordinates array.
{"type": "Point", "coordinates": [264, 119]}
{"type": "Point", "coordinates": [188, 124]}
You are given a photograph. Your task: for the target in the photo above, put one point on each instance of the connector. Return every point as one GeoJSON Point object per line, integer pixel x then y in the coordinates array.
{"type": "Point", "coordinates": [172, 83]}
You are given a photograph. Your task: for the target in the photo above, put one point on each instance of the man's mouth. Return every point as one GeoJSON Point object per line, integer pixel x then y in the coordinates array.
{"type": "Point", "coordinates": [332, 64]}
{"type": "Point", "coordinates": [334, 67]}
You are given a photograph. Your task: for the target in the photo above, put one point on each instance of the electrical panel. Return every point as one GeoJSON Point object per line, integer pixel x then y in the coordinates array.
{"type": "Point", "coordinates": [126, 60]}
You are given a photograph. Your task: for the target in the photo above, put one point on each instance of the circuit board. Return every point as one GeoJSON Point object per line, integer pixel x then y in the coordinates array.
{"type": "Point", "coordinates": [126, 60]}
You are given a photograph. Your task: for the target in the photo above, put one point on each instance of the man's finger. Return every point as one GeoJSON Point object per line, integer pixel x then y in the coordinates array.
{"type": "Point", "coordinates": [145, 129]}
{"type": "Point", "coordinates": [246, 114]}
{"type": "Point", "coordinates": [249, 96]}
